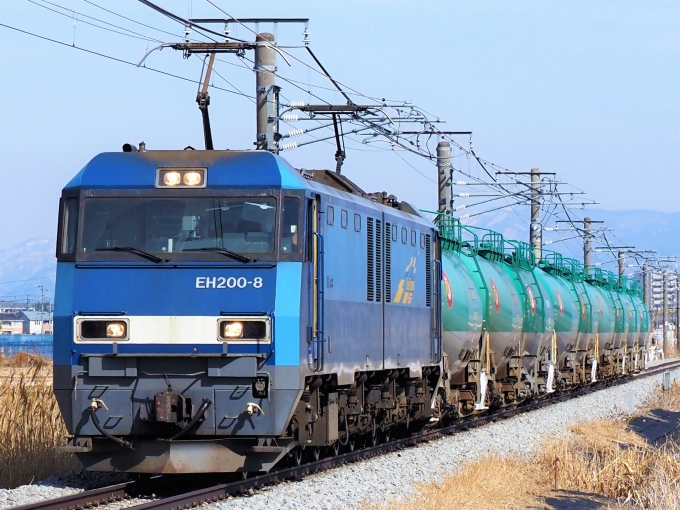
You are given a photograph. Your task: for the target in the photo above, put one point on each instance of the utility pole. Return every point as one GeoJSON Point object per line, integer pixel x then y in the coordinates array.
{"type": "Point", "coordinates": [266, 104]}
{"type": "Point", "coordinates": [622, 266]}
{"type": "Point", "coordinates": [646, 286]}
{"type": "Point", "coordinates": [443, 170]}
{"type": "Point", "coordinates": [535, 234]}
{"type": "Point", "coordinates": [664, 313]}
{"type": "Point", "coordinates": [677, 310]}
{"type": "Point", "coordinates": [42, 303]}
{"type": "Point", "coordinates": [587, 248]}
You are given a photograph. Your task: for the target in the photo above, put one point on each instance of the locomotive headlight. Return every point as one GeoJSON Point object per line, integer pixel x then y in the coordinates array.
{"type": "Point", "coordinates": [232, 329]}
{"type": "Point", "coordinates": [115, 330]}
{"type": "Point", "coordinates": [172, 178]}
{"type": "Point", "coordinates": [102, 329]}
{"type": "Point", "coordinates": [244, 330]}
{"type": "Point", "coordinates": [193, 178]}
{"type": "Point", "coordinates": [181, 177]}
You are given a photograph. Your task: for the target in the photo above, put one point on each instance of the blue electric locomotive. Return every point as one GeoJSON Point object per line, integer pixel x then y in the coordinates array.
{"type": "Point", "coordinates": [219, 311]}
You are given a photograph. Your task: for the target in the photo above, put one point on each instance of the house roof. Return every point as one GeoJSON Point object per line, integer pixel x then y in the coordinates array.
{"type": "Point", "coordinates": [36, 316]}
{"type": "Point", "coordinates": [10, 317]}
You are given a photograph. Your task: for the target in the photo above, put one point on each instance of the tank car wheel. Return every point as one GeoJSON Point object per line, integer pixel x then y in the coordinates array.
{"type": "Point", "coordinates": [374, 439]}
{"type": "Point", "coordinates": [315, 454]}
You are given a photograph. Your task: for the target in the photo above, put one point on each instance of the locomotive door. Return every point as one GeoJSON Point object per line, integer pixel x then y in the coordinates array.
{"type": "Point", "coordinates": [315, 350]}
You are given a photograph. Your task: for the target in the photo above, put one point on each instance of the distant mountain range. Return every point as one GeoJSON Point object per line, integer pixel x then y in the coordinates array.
{"type": "Point", "coordinates": [644, 230]}
{"type": "Point", "coordinates": [26, 266]}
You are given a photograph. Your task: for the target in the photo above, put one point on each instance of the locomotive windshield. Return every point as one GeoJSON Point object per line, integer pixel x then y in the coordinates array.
{"type": "Point", "coordinates": [159, 226]}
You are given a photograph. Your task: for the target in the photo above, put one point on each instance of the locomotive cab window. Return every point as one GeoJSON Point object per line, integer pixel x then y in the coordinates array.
{"type": "Point", "coordinates": [151, 228]}
{"type": "Point", "coordinates": [69, 226]}
{"type": "Point", "coordinates": [290, 212]}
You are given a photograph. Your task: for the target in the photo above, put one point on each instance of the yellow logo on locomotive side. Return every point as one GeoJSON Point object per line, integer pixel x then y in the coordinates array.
{"type": "Point", "coordinates": [407, 285]}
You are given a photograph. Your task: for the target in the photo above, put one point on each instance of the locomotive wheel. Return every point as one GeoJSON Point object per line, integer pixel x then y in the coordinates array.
{"type": "Point", "coordinates": [334, 449]}
{"type": "Point", "coordinates": [351, 445]}
{"type": "Point", "coordinates": [295, 456]}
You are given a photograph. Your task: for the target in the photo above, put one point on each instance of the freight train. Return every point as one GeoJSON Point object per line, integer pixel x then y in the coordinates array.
{"type": "Point", "coordinates": [222, 311]}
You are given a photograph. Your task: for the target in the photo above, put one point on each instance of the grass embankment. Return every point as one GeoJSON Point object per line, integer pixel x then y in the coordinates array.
{"type": "Point", "coordinates": [30, 424]}
{"type": "Point", "coordinates": [598, 457]}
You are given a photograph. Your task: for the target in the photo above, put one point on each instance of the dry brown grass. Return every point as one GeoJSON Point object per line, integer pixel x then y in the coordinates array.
{"type": "Point", "coordinates": [599, 457]}
{"type": "Point", "coordinates": [25, 360]}
{"type": "Point", "coordinates": [606, 458]}
{"type": "Point", "coordinates": [668, 400]}
{"type": "Point", "coordinates": [491, 483]}
{"type": "Point", "coordinates": [30, 424]}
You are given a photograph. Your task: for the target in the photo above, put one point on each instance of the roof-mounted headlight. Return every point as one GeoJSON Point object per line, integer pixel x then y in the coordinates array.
{"type": "Point", "coordinates": [181, 177]}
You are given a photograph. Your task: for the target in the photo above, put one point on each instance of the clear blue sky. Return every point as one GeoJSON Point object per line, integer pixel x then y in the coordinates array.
{"type": "Point", "coordinates": [587, 89]}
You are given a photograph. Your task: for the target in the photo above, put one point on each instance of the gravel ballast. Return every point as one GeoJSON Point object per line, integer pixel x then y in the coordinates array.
{"type": "Point", "coordinates": [394, 475]}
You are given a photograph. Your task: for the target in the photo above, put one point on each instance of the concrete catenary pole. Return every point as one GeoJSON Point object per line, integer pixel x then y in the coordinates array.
{"type": "Point", "coordinates": [535, 234]}
{"type": "Point", "coordinates": [587, 249]}
{"type": "Point", "coordinates": [622, 266]}
{"type": "Point", "coordinates": [645, 286]}
{"type": "Point", "coordinates": [265, 66]}
{"type": "Point", "coordinates": [443, 167]}
{"type": "Point", "coordinates": [664, 311]}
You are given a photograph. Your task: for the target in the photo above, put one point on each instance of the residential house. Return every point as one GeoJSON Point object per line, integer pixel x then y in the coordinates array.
{"type": "Point", "coordinates": [37, 323]}
{"type": "Point", "coordinates": [12, 323]}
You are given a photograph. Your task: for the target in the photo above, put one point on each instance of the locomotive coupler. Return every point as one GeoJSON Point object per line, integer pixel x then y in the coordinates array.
{"type": "Point", "coordinates": [171, 407]}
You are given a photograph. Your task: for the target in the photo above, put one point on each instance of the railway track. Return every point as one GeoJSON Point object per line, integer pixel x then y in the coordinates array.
{"type": "Point", "coordinates": [219, 491]}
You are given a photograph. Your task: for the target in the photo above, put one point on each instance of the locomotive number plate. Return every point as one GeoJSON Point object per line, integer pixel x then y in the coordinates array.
{"type": "Point", "coordinates": [207, 282]}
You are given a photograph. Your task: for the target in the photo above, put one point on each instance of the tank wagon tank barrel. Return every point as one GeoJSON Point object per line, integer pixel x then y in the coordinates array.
{"type": "Point", "coordinates": [515, 328]}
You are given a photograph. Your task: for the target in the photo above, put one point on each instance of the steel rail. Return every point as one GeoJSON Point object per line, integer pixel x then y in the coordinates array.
{"type": "Point", "coordinates": [221, 491]}
{"type": "Point", "coordinates": [84, 499]}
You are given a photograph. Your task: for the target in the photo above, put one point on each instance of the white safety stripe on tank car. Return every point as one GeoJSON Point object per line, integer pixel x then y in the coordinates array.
{"type": "Point", "coordinates": [172, 329]}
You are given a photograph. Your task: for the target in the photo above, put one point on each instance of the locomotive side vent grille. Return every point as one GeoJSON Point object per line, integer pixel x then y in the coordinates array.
{"type": "Point", "coordinates": [378, 260]}
{"type": "Point", "coordinates": [428, 272]}
{"type": "Point", "coordinates": [370, 261]}
{"type": "Point", "coordinates": [388, 264]}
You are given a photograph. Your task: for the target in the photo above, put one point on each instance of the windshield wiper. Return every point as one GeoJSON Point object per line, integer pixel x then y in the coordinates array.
{"type": "Point", "coordinates": [223, 251]}
{"type": "Point", "coordinates": [136, 251]}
